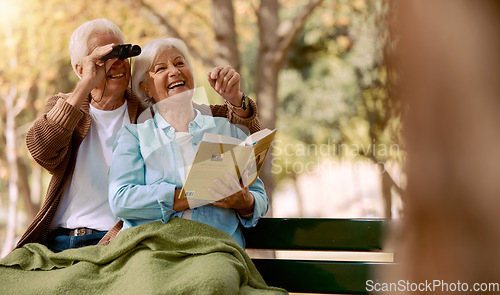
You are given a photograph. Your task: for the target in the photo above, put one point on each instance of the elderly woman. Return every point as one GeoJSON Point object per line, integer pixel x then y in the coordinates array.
{"type": "Point", "coordinates": [151, 160]}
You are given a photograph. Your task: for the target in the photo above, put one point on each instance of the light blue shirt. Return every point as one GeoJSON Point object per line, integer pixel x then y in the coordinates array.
{"type": "Point", "coordinates": [147, 166]}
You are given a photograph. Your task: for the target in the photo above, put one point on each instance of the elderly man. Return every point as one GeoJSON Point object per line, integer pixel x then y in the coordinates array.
{"type": "Point", "coordinates": [73, 138]}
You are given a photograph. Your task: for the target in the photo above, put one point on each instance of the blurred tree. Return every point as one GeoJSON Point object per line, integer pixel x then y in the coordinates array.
{"type": "Point", "coordinates": [34, 41]}
{"type": "Point", "coordinates": [18, 87]}
{"type": "Point", "coordinates": [336, 81]}
{"type": "Point", "coordinates": [273, 48]}
{"type": "Point", "coordinates": [377, 106]}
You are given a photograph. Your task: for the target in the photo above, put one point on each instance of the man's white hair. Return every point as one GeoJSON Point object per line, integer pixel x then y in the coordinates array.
{"type": "Point", "coordinates": [78, 44]}
{"type": "Point", "coordinates": [145, 60]}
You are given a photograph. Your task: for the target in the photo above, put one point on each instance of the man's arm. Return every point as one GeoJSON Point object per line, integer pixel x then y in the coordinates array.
{"type": "Point", "coordinates": [251, 122]}
{"type": "Point", "coordinates": [48, 139]}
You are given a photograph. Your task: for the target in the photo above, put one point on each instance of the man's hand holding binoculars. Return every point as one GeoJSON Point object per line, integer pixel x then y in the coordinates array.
{"type": "Point", "coordinates": [123, 51]}
{"type": "Point", "coordinates": [93, 65]}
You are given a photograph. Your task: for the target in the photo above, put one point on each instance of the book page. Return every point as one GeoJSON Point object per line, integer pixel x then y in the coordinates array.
{"type": "Point", "coordinates": [217, 138]}
{"type": "Point", "coordinates": [214, 160]}
{"type": "Point", "coordinates": [259, 135]}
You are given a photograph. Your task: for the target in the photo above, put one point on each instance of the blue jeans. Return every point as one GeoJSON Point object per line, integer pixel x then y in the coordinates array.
{"type": "Point", "coordinates": [60, 243]}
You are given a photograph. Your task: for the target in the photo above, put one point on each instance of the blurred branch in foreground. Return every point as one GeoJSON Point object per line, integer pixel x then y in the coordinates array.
{"type": "Point", "coordinates": [449, 59]}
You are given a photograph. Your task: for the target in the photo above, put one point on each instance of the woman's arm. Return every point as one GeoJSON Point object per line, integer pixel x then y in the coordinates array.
{"type": "Point", "coordinates": [131, 199]}
{"type": "Point", "coordinates": [251, 203]}
{"type": "Point", "coordinates": [226, 82]}
{"type": "Point", "coordinates": [261, 204]}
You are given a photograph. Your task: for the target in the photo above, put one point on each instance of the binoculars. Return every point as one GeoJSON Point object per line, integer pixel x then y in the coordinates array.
{"type": "Point", "coordinates": [123, 51]}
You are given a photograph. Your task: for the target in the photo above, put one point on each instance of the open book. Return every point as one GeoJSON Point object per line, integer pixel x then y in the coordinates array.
{"type": "Point", "coordinates": [218, 154]}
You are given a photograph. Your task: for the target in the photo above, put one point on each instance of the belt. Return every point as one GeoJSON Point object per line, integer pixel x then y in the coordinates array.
{"type": "Point", "coordinates": [81, 231]}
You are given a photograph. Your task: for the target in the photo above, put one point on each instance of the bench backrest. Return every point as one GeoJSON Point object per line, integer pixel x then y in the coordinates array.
{"type": "Point", "coordinates": [317, 276]}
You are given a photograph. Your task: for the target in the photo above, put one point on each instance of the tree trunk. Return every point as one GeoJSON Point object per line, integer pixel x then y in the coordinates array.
{"type": "Point", "coordinates": [386, 185]}
{"type": "Point", "coordinates": [36, 185]}
{"type": "Point", "coordinates": [275, 41]}
{"type": "Point", "coordinates": [25, 191]}
{"type": "Point", "coordinates": [10, 136]}
{"type": "Point", "coordinates": [267, 78]}
{"type": "Point", "coordinates": [300, 196]}
{"type": "Point", "coordinates": [14, 101]}
{"type": "Point", "coordinates": [226, 41]}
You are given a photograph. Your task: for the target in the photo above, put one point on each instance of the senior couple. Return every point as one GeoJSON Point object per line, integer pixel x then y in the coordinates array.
{"type": "Point", "coordinates": [83, 135]}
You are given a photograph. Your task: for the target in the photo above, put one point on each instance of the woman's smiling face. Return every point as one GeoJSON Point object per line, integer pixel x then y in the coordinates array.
{"type": "Point", "coordinates": [169, 75]}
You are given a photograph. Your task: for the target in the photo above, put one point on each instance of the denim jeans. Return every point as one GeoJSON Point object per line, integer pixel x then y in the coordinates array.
{"type": "Point", "coordinates": [60, 243]}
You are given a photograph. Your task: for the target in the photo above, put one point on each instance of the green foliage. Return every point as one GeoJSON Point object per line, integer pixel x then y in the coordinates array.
{"type": "Point", "coordinates": [335, 90]}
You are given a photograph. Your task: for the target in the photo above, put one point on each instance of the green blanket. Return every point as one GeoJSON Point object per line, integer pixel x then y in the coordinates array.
{"type": "Point", "coordinates": [179, 257]}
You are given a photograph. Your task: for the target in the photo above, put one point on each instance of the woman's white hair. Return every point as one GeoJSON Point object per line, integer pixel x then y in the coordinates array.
{"type": "Point", "coordinates": [145, 60]}
{"type": "Point", "coordinates": [78, 47]}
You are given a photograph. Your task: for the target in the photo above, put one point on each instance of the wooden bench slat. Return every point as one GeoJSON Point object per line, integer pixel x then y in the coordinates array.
{"type": "Point", "coordinates": [316, 234]}
{"type": "Point", "coordinates": [316, 276]}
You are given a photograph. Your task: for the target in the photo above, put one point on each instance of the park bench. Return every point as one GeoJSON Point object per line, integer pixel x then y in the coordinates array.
{"type": "Point", "coordinates": [314, 234]}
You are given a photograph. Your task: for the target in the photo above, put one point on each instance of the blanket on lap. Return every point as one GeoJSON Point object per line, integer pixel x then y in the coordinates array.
{"type": "Point", "coordinates": [179, 257]}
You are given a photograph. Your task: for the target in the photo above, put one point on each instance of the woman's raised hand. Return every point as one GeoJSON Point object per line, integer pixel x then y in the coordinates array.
{"type": "Point", "coordinates": [226, 81]}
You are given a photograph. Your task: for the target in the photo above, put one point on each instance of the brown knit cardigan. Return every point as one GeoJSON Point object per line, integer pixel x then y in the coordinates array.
{"type": "Point", "coordinates": [53, 141]}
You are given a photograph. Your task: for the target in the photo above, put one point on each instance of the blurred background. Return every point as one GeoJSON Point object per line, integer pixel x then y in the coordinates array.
{"type": "Point", "coordinates": [316, 69]}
